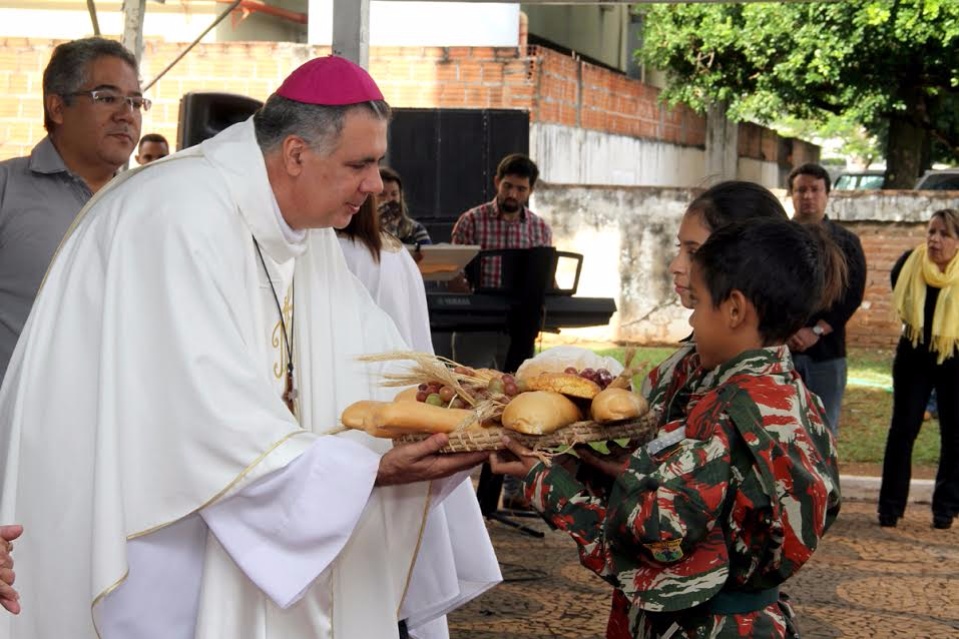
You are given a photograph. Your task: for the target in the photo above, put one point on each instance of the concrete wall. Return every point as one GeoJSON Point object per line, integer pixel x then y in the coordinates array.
{"type": "Point", "coordinates": [627, 235]}
{"type": "Point", "coordinates": [889, 206]}
{"type": "Point", "coordinates": [598, 32]}
{"type": "Point", "coordinates": [580, 156]}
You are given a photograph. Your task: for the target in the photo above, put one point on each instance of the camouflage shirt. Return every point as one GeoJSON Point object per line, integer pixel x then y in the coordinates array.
{"type": "Point", "coordinates": [671, 382]}
{"type": "Point", "coordinates": [737, 503]}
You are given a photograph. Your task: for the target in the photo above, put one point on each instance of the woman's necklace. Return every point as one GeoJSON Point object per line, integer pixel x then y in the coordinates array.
{"type": "Point", "coordinates": [289, 393]}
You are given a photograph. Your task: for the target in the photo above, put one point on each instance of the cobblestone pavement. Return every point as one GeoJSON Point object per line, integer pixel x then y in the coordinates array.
{"type": "Point", "coordinates": [864, 581]}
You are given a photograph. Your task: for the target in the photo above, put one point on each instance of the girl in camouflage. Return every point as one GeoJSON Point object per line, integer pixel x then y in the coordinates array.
{"type": "Point", "coordinates": [699, 527]}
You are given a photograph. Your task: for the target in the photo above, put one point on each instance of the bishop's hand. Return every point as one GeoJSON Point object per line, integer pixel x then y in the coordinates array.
{"type": "Point", "coordinates": [422, 461]}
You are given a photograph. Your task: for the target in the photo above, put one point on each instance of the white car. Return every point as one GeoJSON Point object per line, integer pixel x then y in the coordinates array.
{"type": "Point", "coordinates": [939, 180]}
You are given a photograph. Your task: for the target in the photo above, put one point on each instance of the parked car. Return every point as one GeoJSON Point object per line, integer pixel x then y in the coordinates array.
{"type": "Point", "coordinates": [859, 180]}
{"type": "Point", "coordinates": [939, 180]}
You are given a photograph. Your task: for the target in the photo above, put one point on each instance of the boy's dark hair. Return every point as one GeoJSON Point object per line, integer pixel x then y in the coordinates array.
{"type": "Point", "coordinates": [811, 169]}
{"type": "Point", "coordinates": [153, 137]}
{"type": "Point", "coordinates": [364, 227]}
{"type": "Point", "coordinates": [736, 201]}
{"type": "Point", "coordinates": [786, 270]}
{"type": "Point", "coordinates": [518, 164]}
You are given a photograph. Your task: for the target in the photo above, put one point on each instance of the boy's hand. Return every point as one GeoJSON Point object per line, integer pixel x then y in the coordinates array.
{"type": "Point", "coordinates": [612, 464]}
{"type": "Point", "coordinates": [516, 460]}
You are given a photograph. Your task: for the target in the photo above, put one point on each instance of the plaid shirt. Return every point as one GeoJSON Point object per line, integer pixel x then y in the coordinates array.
{"type": "Point", "coordinates": [486, 226]}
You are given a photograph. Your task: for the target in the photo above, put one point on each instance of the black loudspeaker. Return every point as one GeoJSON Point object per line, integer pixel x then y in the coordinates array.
{"type": "Point", "coordinates": [203, 114]}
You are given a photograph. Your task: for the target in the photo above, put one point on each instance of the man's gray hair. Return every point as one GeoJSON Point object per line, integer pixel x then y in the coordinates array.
{"type": "Point", "coordinates": [319, 125]}
{"type": "Point", "coordinates": [69, 68]}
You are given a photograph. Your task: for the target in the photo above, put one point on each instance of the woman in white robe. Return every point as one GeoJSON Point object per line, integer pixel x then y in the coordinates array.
{"type": "Point", "coordinates": [384, 266]}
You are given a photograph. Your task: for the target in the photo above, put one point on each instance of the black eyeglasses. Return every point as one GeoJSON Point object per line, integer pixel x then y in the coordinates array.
{"type": "Point", "coordinates": [112, 99]}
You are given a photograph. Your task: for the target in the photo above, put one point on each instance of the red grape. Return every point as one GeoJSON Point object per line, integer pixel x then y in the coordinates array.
{"type": "Point", "coordinates": [447, 394]}
{"type": "Point", "coordinates": [571, 371]}
{"type": "Point", "coordinates": [421, 396]}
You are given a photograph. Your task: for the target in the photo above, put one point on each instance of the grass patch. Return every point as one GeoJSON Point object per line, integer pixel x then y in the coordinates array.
{"type": "Point", "coordinates": [866, 411]}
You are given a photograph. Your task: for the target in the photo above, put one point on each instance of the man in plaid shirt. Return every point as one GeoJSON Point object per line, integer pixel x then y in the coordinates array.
{"type": "Point", "coordinates": [504, 223]}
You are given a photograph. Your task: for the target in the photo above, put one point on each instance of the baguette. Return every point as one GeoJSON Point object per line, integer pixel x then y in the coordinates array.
{"type": "Point", "coordinates": [359, 415]}
{"type": "Point", "coordinates": [391, 419]}
{"type": "Point", "coordinates": [408, 395]}
{"type": "Point", "coordinates": [540, 413]}
{"type": "Point", "coordinates": [614, 404]}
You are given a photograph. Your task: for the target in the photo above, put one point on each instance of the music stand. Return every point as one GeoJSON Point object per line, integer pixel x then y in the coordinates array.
{"type": "Point", "coordinates": [526, 274]}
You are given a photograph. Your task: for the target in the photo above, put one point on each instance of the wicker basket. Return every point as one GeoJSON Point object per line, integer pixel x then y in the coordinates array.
{"type": "Point", "coordinates": [642, 429]}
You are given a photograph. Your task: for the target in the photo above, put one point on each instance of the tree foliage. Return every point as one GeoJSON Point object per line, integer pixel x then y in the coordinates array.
{"type": "Point", "coordinates": [889, 65]}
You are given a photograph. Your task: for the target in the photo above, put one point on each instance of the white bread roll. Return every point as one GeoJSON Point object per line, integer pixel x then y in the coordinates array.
{"type": "Point", "coordinates": [540, 413]}
{"type": "Point", "coordinates": [614, 404]}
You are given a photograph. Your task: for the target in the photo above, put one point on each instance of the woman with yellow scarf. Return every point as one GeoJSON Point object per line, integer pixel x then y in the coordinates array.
{"type": "Point", "coordinates": [926, 295]}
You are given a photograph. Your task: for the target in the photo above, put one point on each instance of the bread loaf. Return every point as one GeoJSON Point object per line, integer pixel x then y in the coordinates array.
{"type": "Point", "coordinates": [408, 395]}
{"type": "Point", "coordinates": [540, 413]}
{"type": "Point", "coordinates": [565, 383]}
{"type": "Point", "coordinates": [359, 415]}
{"type": "Point", "coordinates": [396, 418]}
{"type": "Point", "coordinates": [614, 404]}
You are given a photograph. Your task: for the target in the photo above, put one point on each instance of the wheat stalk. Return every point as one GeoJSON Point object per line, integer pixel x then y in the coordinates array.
{"type": "Point", "coordinates": [430, 368]}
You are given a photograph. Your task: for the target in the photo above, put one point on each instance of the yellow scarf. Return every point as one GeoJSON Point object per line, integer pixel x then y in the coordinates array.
{"type": "Point", "coordinates": [910, 299]}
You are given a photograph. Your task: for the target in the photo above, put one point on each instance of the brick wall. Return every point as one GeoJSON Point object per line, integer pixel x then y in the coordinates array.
{"type": "Point", "coordinates": [553, 87]}
{"type": "Point", "coordinates": [875, 324]}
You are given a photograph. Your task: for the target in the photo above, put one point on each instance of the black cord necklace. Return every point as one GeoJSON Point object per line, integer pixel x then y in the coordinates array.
{"type": "Point", "coordinates": [289, 392]}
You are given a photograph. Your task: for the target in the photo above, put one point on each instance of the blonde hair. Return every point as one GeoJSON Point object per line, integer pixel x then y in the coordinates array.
{"type": "Point", "coordinates": [949, 217]}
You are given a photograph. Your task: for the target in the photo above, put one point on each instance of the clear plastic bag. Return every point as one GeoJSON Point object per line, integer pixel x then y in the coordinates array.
{"type": "Point", "coordinates": [559, 358]}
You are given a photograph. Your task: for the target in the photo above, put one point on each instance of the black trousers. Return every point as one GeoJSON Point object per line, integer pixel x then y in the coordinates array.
{"type": "Point", "coordinates": [914, 375]}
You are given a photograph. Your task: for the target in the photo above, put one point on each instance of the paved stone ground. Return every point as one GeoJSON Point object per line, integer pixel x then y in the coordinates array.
{"type": "Point", "coordinates": [864, 581]}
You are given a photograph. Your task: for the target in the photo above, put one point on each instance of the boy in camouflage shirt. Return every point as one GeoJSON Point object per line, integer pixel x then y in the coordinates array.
{"type": "Point", "coordinates": [700, 527]}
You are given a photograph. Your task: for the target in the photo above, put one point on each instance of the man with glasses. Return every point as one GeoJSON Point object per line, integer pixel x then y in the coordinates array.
{"type": "Point", "coordinates": [92, 107]}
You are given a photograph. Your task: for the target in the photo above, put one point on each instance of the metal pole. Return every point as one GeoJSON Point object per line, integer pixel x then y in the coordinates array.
{"type": "Point", "coordinates": [92, 9]}
{"type": "Point", "coordinates": [218, 20]}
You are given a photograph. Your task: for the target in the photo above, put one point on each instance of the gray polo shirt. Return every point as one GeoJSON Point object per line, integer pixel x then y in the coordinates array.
{"type": "Point", "coordinates": [39, 198]}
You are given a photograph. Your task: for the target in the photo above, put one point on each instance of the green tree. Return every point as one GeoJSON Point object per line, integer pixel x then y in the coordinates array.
{"type": "Point", "coordinates": [889, 65]}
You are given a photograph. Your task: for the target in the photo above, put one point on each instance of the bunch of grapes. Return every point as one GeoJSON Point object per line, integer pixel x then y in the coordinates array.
{"type": "Point", "coordinates": [437, 394]}
{"type": "Point", "coordinates": [600, 376]}
{"type": "Point", "coordinates": [506, 385]}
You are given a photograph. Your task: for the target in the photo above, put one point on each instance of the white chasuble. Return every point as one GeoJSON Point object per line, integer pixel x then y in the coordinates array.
{"type": "Point", "coordinates": [166, 489]}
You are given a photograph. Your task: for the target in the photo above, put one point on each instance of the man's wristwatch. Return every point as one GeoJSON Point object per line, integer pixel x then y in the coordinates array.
{"type": "Point", "coordinates": [818, 330]}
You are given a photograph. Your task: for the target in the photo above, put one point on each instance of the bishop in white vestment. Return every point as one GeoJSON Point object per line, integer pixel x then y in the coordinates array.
{"type": "Point", "coordinates": [166, 488]}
